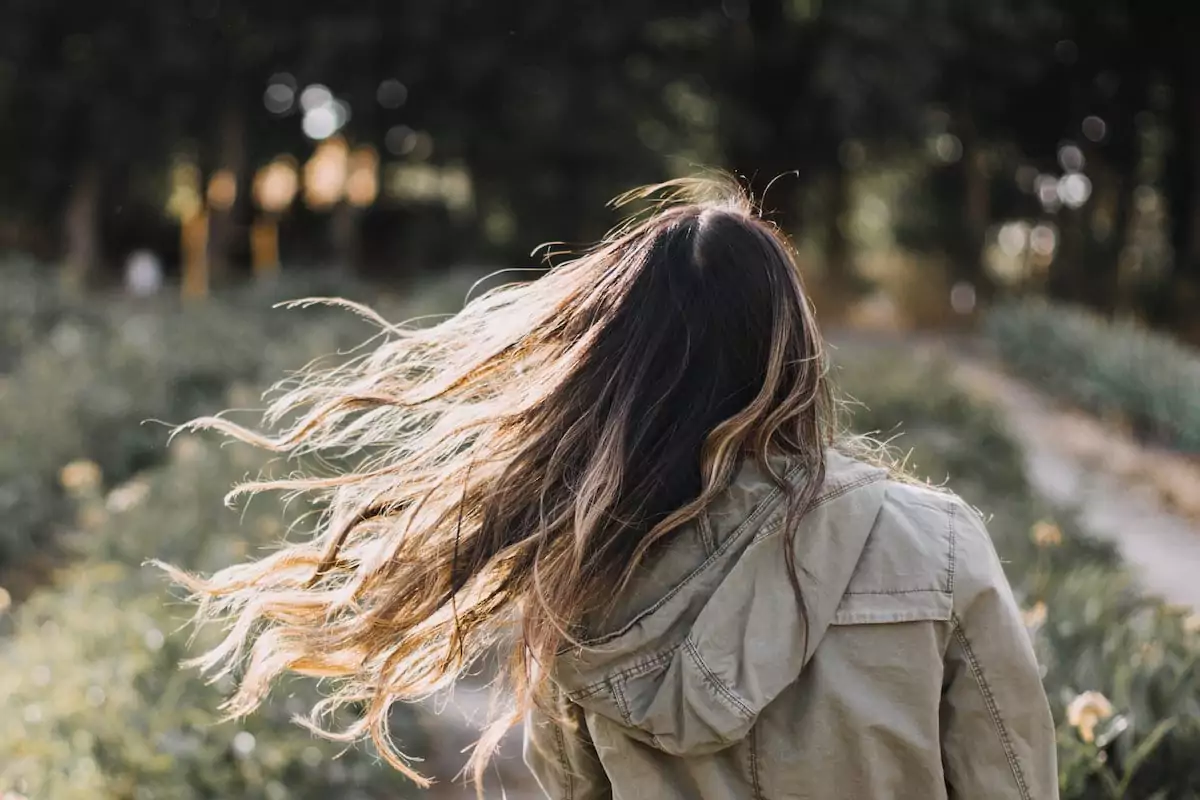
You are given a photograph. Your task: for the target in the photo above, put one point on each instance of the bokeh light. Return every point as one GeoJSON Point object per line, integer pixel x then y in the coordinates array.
{"type": "Point", "coordinates": [324, 114]}
{"type": "Point", "coordinates": [400, 140]}
{"type": "Point", "coordinates": [1046, 188]}
{"type": "Point", "coordinates": [315, 96]}
{"type": "Point", "coordinates": [1070, 157]}
{"type": "Point", "coordinates": [222, 189]}
{"type": "Point", "coordinates": [963, 297]}
{"type": "Point", "coordinates": [276, 184]}
{"type": "Point", "coordinates": [185, 200]}
{"type": "Point", "coordinates": [1094, 128]}
{"type": "Point", "coordinates": [280, 94]}
{"type": "Point", "coordinates": [1013, 238]}
{"type": "Point", "coordinates": [391, 94]}
{"type": "Point", "coordinates": [325, 173]}
{"type": "Point", "coordinates": [948, 148]}
{"type": "Point", "coordinates": [362, 182]}
{"type": "Point", "coordinates": [1043, 240]}
{"type": "Point", "coordinates": [1074, 189]}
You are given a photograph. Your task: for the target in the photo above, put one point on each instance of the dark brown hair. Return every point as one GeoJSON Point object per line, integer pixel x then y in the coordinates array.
{"type": "Point", "coordinates": [515, 463]}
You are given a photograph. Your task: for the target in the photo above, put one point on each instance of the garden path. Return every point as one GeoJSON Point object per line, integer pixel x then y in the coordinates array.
{"type": "Point", "coordinates": [1142, 499]}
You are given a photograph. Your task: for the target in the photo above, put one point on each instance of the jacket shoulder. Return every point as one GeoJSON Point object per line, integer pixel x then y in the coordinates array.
{"type": "Point", "coordinates": [911, 549]}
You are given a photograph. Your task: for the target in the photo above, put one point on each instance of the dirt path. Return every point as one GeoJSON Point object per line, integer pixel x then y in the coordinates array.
{"type": "Point", "coordinates": [1144, 500]}
{"type": "Point", "coordinates": [1120, 490]}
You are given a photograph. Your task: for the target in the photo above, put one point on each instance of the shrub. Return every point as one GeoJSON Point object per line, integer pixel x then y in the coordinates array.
{"type": "Point", "coordinates": [1114, 369]}
{"type": "Point", "coordinates": [86, 379]}
{"type": "Point", "coordinates": [90, 666]}
{"type": "Point", "coordinates": [31, 304]}
{"type": "Point", "coordinates": [97, 704]}
{"type": "Point", "coordinates": [86, 391]}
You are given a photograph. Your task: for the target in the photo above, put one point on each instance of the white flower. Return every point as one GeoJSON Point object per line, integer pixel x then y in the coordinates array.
{"type": "Point", "coordinates": [127, 496]}
{"type": "Point", "coordinates": [1035, 616]}
{"type": "Point", "coordinates": [1086, 711]}
{"type": "Point", "coordinates": [1047, 534]}
{"type": "Point", "coordinates": [80, 476]}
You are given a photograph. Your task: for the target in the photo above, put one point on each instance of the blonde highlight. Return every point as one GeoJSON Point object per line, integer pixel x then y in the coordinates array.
{"type": "Point", "coordinates": [509, 468]}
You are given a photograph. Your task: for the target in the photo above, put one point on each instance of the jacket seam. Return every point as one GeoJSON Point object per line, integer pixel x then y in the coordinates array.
{"type": "Point", "coordinates": [717, 684]}
{"type": "Point", "coordinates": [634, 671]}
{"type": "Point", "coordinates": [951, 558]}
{"type": "Point", "coordinates": [764, 507]}
{"type": "Point", "coordinates": [755, 777]}
{"type": "Point", "coordinates": [897, 591]}
{"type": "Point", "coordinates": [622, 703]}
{"type": "Point", "coordinates": [951, 530]}
{"type": "Point", "coordinates": [845, 488]}
{"type": "Point", "coordinates": [705, 533]}
{"type": "Point", "coordinates": [561, 745]}
{"type": "Point", "coordinates": [833, 494]}
{"type": "Point", "coordinates": [989, 700]}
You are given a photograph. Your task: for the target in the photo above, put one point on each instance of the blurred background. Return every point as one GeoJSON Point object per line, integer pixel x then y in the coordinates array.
{"type": "Point", "coordinates": [996, 206]}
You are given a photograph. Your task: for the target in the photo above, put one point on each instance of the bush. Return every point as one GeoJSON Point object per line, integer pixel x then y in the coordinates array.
{"type": "Point", "coordinates": [97, 704]}
{"type": "Point", "coordinates": [30, 305]}
{"type": "Point", "coordinates": [90, 666]}
{"type": "Point", "coordinates": [85, 380]}
{"type": "Point", "coordinates": [1114, 369]}
{"type": "Point", "coordinates": [1094, 631]}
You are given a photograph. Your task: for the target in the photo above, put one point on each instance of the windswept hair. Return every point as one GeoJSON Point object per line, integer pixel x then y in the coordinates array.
{"type": "Point", "coordinates": [512, 465]}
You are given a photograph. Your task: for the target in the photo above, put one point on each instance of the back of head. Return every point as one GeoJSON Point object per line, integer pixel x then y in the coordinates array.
{"type": "Point", "coordinates": [519, 460]}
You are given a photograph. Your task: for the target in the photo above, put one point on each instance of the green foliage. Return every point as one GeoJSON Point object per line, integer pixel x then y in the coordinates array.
{"type": "Point", "coordinates": [87, 382]}
{"type": "Point", "coordinates": [1093, 630]}
{"type": "Point", "coordinates": [30, 306]}
{"type": "Point", "coordinates": [1115, 369]}
{"type": "Point", "coordinates": [98, 706]}
{"type": "Point", "coordinates": [921, 409]}
{"type": "Point", "coordinates": [89, 667]}
{"type": "Point", "coordinates": [84, 390]}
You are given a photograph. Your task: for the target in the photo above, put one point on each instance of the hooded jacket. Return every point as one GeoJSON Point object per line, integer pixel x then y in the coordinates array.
{"type": "Point", "coordinates": [909, 673]}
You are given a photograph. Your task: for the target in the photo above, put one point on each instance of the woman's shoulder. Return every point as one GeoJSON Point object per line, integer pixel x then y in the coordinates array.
{"type": "Point", "coordinates": [926, 541]}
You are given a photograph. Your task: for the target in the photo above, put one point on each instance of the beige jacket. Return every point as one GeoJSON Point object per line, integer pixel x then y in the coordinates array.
{"type": "Point", "coordinates": [917, 679]}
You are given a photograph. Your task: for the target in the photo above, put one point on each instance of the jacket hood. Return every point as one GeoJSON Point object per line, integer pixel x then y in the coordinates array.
{"type": "Point", "coordinates": [711, 631]}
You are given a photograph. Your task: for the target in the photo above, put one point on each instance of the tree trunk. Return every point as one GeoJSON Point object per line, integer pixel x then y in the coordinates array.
{"type": "Point", "coordinates": [346, 236]}
{"type": "Point", "coordinates": [1113, 205]}
{"type": "Point", "coordinates": [231, 156]}
{"type": "Point", "coordinates": [1185, 289]}
{"type": "Point", "coordinates": [967, 260]}
{"type": "Point", "coordinates": [1068, 273]}
{"type": "Point", "coordinates": [194, 237]}
{"type": "Point", "coordinates": [1181, 187]}
{"type": "Point", "coordinates": [81, 228]}
{"type": "Point", "coordinates": [840, 280]}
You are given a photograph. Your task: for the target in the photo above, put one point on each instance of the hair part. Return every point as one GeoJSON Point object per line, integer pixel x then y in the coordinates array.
{"type": "Point", "coordinates": [512, 464]}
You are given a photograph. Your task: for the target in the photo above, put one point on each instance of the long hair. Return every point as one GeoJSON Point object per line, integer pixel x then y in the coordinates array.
{"type": "Point", "coordinates": [513, 464]}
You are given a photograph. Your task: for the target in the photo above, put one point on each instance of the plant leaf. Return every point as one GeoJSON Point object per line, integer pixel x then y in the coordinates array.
{"type": "Point", "coordinates": [1143, 751]}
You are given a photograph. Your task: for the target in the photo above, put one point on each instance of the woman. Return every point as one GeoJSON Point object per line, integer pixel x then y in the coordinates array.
{"type": "Point", "coordinates": [625, 478]}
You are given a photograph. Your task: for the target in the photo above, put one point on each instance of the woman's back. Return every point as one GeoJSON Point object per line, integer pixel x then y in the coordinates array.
{"type": "Point", "coordinates": [915, 677]}
{"type": "Point", "coordinates": [638, 444]}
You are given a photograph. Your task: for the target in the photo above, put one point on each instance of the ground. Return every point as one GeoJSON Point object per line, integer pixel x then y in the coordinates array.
{"type": "Point", "coordinates": [1120, 489]}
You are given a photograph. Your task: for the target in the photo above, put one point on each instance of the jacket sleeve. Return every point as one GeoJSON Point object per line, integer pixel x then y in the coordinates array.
{"type": "Point", "coordinates": [998, 738]}
{"type": "Point", "coordinates": [559, 753]}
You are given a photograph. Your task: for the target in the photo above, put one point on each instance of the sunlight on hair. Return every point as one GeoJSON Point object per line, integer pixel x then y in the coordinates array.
{"type": "Point", "coordinates": [502, 473]}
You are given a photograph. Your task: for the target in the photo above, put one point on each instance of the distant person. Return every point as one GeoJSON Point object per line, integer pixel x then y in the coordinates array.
{"type": "Point", "coordinates": [143, 273]}
{"type": "Point", "coordinates": [626, 478]}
